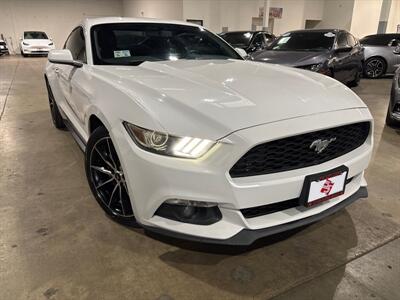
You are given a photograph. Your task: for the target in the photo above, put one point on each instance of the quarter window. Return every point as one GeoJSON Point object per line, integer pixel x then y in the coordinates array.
{"type": "Point", "coordinates": [342, 40]}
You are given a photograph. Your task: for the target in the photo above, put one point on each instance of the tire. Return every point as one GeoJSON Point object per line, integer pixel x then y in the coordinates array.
{"type": "Point", "coordinates": [355, 81]}
{"type": "Point", "coordinates": [55, 112]}
{"type": "Point", "coordinates": [106, 178]}
{"type": "Point", "coordinates": [375, 67]}
{"type": "Point", "coordinates": [23, 54]}
{"type": "Point", "coordinates": [390, 121]}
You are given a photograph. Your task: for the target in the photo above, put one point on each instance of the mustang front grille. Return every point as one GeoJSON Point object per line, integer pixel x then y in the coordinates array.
{"type": "Point", "coordinates": [301, 151]}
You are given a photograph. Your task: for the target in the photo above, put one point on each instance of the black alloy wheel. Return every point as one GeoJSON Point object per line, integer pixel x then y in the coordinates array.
{"type": "Point", "coordinates": [374, 67]}
{"type": "Point", "coordinates": [106, 177]}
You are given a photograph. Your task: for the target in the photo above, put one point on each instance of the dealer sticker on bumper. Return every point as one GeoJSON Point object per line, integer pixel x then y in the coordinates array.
{"type": "Point", "coordinates": [324, 186]}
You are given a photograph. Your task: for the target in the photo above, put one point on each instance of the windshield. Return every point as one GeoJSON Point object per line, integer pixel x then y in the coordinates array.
{"type": "Point", "coordinates": [237, 38]}
{"type": "Point", "coordinates": [304, 41]}
{"type": "Point", "coordinates": [134, 43]}
{"type": "Point", "coordinates": [35, 35]}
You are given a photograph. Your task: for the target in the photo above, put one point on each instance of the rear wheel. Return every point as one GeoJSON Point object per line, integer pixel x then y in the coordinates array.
{"type": "Point", "coordinates": [375, 67]}
{"type": "Point", "coordinates": [55, 113]}
{"type": "Point", "coordinates": [106, 177]}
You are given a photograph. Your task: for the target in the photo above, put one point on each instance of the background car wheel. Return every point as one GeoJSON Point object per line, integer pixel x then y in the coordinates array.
{"type": "Point", "coordinates": [106, 177]}
{"type": "Point", "coordinates": [390, 121]}
{"type": "Point", "coordinates": [374, 67]}
{"type": "Point", "coordinates": [55, 113]}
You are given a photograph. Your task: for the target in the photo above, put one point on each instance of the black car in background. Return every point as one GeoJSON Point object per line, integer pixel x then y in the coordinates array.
{"type": "Point", "coordinates": [249, 41]}
{"type": "Point", "coordinates": [3, 48]}
{"type": "Point", "coordinates": [332, 52]}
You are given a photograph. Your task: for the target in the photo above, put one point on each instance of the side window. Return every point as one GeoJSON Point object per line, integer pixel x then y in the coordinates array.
{"type": "Point", "coordinates": [269, 38]}
{"type": "Point", "coordinates": [341, 40]}
{"type": "Point", "coordinates": [351, 40]}
{"type": "Point", "coordinates": [76, 44]}
{"type": "Point", "coordinates": [258, 40]}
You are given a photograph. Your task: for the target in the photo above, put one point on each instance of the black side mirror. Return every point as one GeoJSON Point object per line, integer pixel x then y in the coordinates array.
{"type": "Point", "coordinates": [394, 43]}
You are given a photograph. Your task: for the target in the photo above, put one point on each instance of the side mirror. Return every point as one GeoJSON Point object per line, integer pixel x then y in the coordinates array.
{"type": "Point", "coordinates": [397, 50]}
{"type": "Point", "coordinates": [394, 43]}
{"type": "Point", "coordinates": [343, 49]}
{"type": "Point", "coordinates": [63, 57]}
{"type": "Point", "coordinates": [241, 52]}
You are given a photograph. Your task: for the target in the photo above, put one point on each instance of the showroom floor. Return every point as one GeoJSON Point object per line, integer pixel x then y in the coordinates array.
{"type": "Point", "coordinates": [56, 242]}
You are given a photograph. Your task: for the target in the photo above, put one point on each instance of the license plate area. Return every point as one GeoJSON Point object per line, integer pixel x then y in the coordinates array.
{"type": "Point", "coordinates": [323, 186]}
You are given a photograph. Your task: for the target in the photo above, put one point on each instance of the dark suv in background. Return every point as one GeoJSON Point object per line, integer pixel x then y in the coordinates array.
{"type": "Point", "coordinates": [249, 41]}
{"type": "Point", "coordinates": [332, 52]}
{"type": "Point", "coordinates": [382, 54]}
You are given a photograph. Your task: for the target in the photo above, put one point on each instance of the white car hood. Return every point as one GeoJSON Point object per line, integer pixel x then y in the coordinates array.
{"type": "Point", "coordinates": [37, 42]}
{"type": "Point", "coordinates": [217, 97]}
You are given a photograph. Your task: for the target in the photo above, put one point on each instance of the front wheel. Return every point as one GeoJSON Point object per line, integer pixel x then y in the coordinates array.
{"type": "Point", "coordinates": [55, 113]}
{"type": "Point", "coordinates": [106, 177]}
{"type": "Point", "coordinates": [374, 67]}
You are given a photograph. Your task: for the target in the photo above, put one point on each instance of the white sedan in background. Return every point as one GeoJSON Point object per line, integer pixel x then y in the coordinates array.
{"type": "Point", "coordinates": [185, 138]}
{"type": "Point", "coordinates": [35, 43]}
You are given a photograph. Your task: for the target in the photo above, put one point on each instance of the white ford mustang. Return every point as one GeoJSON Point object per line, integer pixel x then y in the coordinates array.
{"type": "Point", "coordinates": [184, 137]}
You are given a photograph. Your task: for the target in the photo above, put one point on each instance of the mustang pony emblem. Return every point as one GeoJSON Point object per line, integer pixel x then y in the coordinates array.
{"type": "Point", "coordinates": [320, 145]}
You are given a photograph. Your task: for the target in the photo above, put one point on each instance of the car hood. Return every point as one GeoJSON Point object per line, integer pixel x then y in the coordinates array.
{"type": "Point", "coordinates": [37, 42]}
{"type": "Point", "coordinates": [217, 97]}
{"type": "Point", "coordinates": [291, 58]}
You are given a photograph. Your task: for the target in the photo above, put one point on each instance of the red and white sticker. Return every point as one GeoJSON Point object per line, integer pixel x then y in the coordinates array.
{"type": "Point", "coordinates": [326, 188]}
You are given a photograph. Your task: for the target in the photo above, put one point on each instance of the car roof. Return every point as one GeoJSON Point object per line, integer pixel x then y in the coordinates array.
{"type": "Point", "coordinates": [382, 34]}
{"type": "Point", "coordinates": [239, 31]}
{"type": "Point", "coordinates": [89, 22]}
{"type": "Point", "coordinates": [317, 30]}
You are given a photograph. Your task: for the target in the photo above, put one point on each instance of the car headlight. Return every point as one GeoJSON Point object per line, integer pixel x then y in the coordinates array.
{"type": "Point", "coordinates": [316, 67]}
{"type": "Point", "coordinates": [166, 144]}
{"type": "Point", "coordinates": [26, 44]}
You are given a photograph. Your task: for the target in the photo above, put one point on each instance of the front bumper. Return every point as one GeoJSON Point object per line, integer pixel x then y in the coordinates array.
{"type": "Point", "coordinates": [152, 179]}
{"type": "Point", "coordinates": [31, 50]}
{"type": "Point", "coordinates": [247, 236]}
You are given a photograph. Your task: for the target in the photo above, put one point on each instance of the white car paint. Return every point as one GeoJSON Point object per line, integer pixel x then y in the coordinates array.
{"type": "Point", "coordinates": [36, 46]}
{"type": "Point", "coordinates": [238, 103]}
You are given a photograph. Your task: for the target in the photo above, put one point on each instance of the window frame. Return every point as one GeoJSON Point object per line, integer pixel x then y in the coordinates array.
{"type": "Point", "coordinates": [84, 43]}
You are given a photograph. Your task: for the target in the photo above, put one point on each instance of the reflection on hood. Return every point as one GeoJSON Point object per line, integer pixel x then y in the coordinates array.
{"type": "Point", "coordinates": [291, 58]}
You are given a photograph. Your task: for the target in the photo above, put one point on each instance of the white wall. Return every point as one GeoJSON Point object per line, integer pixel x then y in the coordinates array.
{"type": "Point", "coordinates": [338, 14]}
{"type": "Point", "coordinates": [56, 18]}
{"type": "Point", "coordinates": [365, 18]}
{"type": "Point", "coordinates": [161, 9]}
{"type": "Point", "coordinates": [394, 16]}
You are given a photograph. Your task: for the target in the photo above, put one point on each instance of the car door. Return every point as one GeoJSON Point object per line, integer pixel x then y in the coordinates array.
{"type": "Point", "coordinates": [341, 58]}
{"type": "Point", "coordinates": [356, 56]}
{"type": "Point", "coordinates": [72, 80]}
{"type": "Point", "coordinates": [258, 43]}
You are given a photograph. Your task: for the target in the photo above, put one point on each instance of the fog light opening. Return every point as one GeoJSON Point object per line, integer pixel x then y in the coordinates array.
{"type": "Point", "coordinates": [189, 211]}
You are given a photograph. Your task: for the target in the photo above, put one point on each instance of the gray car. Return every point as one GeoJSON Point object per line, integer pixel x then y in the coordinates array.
{"type": "Point", "coordinates": [393, 114]}
{"type": "Point", "coordinates": [382, 53]}
{"type": "Point", "coordinates": [332, 52]}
